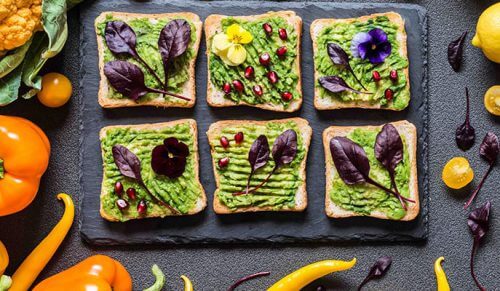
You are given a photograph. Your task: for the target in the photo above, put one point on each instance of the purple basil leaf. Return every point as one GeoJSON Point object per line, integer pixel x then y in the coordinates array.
{"type": "Point", "coordinates": [455, 52]}
{"type": "Point", "coordinates": [169, 159]}
{"type": "Point", "coordinates": [259, 153]}
{"type": "Point", "coordinates": [126, 78]}
{"type": "Point", "coordinates": [285, 148]}
{"type": "Point", "coordinates": [465, 134]}
{"type": "Point", "coordinates": [478, 223]}
{"type": "Point", "coordinates": [336, 84]}
{"type": "Point", "coordinates": [173, 42]}
{"type": "Point", "coordinates": [389, 147]}
{"type": "Point", "coordinates": [120, 38]}
{"type": "Point", "coordinates": [127, 162]}
{"type": "Point", "coordinates": [339, 57]}
{"type": "Point", "coordinates": [350, 160]}
{"type": "Point", "coordinates": [378, 270]}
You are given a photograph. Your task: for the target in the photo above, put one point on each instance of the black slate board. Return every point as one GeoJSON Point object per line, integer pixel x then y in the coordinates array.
{"type": "Point", "coordinates": [207, 227]}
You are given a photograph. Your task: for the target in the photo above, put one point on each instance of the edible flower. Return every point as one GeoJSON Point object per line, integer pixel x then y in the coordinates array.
{"type": "Point", "coordinates": [169, 159]}
{"type": "Point", "coordinates": [372, 45]}
{"type": "Point", "coordinates": [229, 46]}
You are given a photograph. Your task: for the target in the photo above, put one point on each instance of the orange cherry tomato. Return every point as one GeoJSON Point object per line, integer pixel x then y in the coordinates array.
{"type": "Point", "coordinates": [457, 173]}
{"type": "Point", "coordinates": [492, 100]}
{"type": "Point", "coordinates": [56, 90]}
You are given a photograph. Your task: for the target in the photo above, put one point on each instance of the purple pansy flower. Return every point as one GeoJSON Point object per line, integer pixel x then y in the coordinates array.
{"type": "Point", "coordinates": [372, 45]}
{"type": "Point", "coordinates": [169, 159]}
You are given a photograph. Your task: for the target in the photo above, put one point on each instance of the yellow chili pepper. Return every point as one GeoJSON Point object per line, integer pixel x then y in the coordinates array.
{"type": "Point", "coordinates": [188, 286]}
{"type": "Point", "coordinates": [31, 267]}
{"type": "Point", "coordinates": [305, 275]}
{"type": "Point", "coordinates": [442, 282]}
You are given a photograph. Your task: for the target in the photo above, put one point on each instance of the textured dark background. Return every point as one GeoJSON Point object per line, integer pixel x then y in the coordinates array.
{"type": "Point", "coordinates": [215, 268]}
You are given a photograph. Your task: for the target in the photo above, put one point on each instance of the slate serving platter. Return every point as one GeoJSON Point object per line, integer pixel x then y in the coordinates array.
{"type": "Point", "coordinates": [206, 228]}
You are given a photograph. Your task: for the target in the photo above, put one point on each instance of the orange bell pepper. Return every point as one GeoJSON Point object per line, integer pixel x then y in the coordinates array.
{"type": "Point", "coordinates": [24, 157]}
{"type": "Point", "coordinates": [97, 273]}
{"type": "Point", "coordinates": [4, 258]}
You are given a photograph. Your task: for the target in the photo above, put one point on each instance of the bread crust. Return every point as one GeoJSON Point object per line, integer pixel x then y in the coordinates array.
{"type": "Point", "coordinates": [301, 195]}
{"type": "Point", "coordinates": [189, 87]}
{"type": "Point", "coordinates": [202, 201]}
{"type": "Point", "coordinates": [406, 129]}
{"type": "Point", "coordinates": [319, 24]}
{"type": "Point", "coordinates": [215, 96]}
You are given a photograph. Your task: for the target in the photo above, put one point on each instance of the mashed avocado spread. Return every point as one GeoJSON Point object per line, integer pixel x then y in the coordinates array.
{"type": "Point", "coordinates": [147, 32]}
{"type": "Point", "coordinates": [342, 34]}
{"type": "Point", "coordinates": [220, 73]}
{"type": "Point", "coordinates": [364, 198]}
{"type": "Point", "coordinates": [181, 193]}
{"type": "Point", "coordinates": [280, 191]}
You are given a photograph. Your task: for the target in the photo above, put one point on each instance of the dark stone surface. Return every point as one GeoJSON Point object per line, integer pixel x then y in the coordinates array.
{"type": "Point", "coordinates": [215, 268]}
{"type": "Point", "coordinates": [311, 225]}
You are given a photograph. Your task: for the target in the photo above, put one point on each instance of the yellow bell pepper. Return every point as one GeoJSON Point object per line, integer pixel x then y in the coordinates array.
{"type": "Point", "coordinates": [441, 280]}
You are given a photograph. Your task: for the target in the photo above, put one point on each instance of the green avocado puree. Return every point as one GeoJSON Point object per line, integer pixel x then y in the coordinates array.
{"type": "Point", "coordinates": [220, 73]}
{"type": "Point", "coordinates": [342, 34]}
{"type": "Point", "coordinates": [279, 192]}
{"type": "Point", "coordinates": [147, 32]}
{"type": "Point", "coordinates": [181, 193]}
{"type": "Point", "coordinates": [364, 198]}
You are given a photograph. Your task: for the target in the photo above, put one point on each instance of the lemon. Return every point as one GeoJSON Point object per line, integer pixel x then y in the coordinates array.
{"type": "Point", "coordinates": [487, 35]}
{"type": "Point", "coordinates": [492, 100]}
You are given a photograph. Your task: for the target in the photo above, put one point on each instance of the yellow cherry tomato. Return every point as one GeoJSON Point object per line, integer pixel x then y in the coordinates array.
{"type": "Point", "coordinates": [492, 100]}
{"type": "Point", "coordinates": [457, 173]}
{"type": "Point", "coordinates": [56, 90]}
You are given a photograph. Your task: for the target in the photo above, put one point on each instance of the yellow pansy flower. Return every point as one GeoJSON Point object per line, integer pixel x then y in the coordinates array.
{"type": "Point", "coordinates": [237, 34]}
{"type": "Point", "coordinates": [228, 46]}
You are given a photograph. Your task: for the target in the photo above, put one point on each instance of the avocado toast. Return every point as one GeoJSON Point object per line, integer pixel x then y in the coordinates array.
{"type": "Point", "coordinates": [165, 192]}
{"type": "Point", "coordinates": [377, 53]}
{"type": "Point", "coordinates": [266, 68]}
{"type": "Point", "coordinates": [231, 142]}
{"type": "Point", "coordinates": [363, 199]}
{"type": "Point", "coordinates": [147, 29]}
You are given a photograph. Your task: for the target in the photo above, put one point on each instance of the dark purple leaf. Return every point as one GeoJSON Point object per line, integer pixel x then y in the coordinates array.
{"type": "Point", "coordinates": [478, 223]}
{"type": "Point", "coordinates": [339, 57]}
{"type": "Point", "coordinates": [285, 148]}
{"type": "Point", "coordinates": [246, 278]}
{"type": "Point", "coordinates": [465, 134]}
{"type": "Point", "coordinates": [336, 84]}
{"type": "Point", "coordinates": [378, 270]}
{"type": "Point", "coordinates": [173, 42]}
{"type": "Point", "coordinates": [455, 52]}
{"type": "Point", "coordinates": [127, 162]}
{"type": "Point", "coordinates": [169, 159]}
{"type": "Point", "coordinates": [258, 155]}
{"type": "Point", "coordinates": [488, 150]}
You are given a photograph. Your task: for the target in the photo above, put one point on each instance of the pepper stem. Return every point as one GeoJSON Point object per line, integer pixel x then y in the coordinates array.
{"type": "Point", "coordinates": [2, 170]}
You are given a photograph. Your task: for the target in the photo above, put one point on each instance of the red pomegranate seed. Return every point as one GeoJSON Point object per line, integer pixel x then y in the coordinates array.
{"type": "Point", "coordinates": [249, 72]}
{"type": "Point", "coordinates": [265, 59]}
{"type": "Point", "coordinates": [257, 89]}
{"type": "Point", "coordinates": [389, 94]}
{"type": "Point", "coordinates": [286, 96]}
{"type": "Point", "coordinates": [223, 162]}
{"type": "Point", "coordinates": [281, 51]}
{"type": "Point", "coordinates": [131, 193]}
{"type": "Point", "coordinates": [121, 204]}
{"type": "Point", "coordinates": [238, 86]}
{"type": "Point", "coordinates": [238, 138]}
{"type": "Point", "coordinates": [224, 142]}
{"type": "Point", "coordinates": [226, 88]}
{"type": "Point", "coordinates": [282, 33]}
{"type": "Point", "coordinates": [119, 188]}
{"type": "Point", "coordinates": [273, 77]}
{"type": "Point", "coordinates": [267, 28]}
{"type": "Point", "coordinates": [142, 207]}
{"type": "Point", "coordinates": [376, 76]}
{"type": "Point", "coordinates": [393, 75]}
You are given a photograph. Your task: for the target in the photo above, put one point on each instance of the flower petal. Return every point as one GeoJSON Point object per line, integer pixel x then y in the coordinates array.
{"type": "Point", "coordinates": [233, 31]}
{"type": "Point", "coordinates": [364, 49]}
{"type": "Point", "coordinates": [380, 54]}
{"type": "Point", "coordinates": [357, 40]}
{"type": "Point", "coordinates": [378, 36]}
{"type": "Point", "coordinates": [237, 54]}
{"type": "Point", "coordinates": [176, 148]}
{"type": "Point", "coordinates": [220, 44]}
{"type": "Point", "coordinates": [176, 167]}
{"type": "Point", "coordinates": [245, 36]}
{"type": "Point", "coordinates": [159, 159]}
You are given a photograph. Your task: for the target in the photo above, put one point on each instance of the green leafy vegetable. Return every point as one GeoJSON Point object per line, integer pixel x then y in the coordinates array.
{"type": "Point", "coordinates": [13, 59]}
{"type": "Point", "coordinates": [9, 86]}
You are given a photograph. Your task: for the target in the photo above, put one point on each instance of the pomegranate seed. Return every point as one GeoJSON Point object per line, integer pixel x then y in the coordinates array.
{"type": "Point", "coordinates": [281, 51]}
{"type": "Point", "coordinates": [223, 162]}
{"type": "Point", "coordinates": [142, 207]}
{"type": "Point", "coordinates": [131, 193]}
{"type": "Point", "coordinates": [376, 76]}
{"type": "Point", "coordinates": [238, 86]}
{"type": "Point", "coordinates": [267, 28]}
{"type": "Point", "coordinates": [224, 142]}
{"type": "Point", "coordinates": [282, 33]}
{"type": "Point", "coordinates": [265, 59]}
{"type": "Point", "coordinates": [257, 89]}
{"type": "Point", "coordinates": [238, 138]}
{"type": "Point", "coordinates": [249, 72]}
{"type": "Point", "coordinates": [226, 88]}
{"type": "Point", "coordinates": [121, 204]}
{"type": "Point", "coordinates": [119, 188]}
{"type": "Point", "coordinates": [394, 75]}
{"type": "Point", "coordinates": [273, 77]}
{"type": "Point", "coordinates": [389, 94]}
{"type": "Point", "coordinates": [286, 96]}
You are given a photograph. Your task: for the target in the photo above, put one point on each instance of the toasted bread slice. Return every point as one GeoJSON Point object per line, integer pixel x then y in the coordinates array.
{"type": "Point", "coordinates": [189, 87]}
{"type": "Point", "coordinates": [328, 103]}
{"type": "Point", "coordinates": [405, 129]}
{"type": "Point", "coordinates": [160, 211]}
{"type": "Point", "coordinates": [215, 96]}
{"type": "Point", "coordinates": [305, 131]}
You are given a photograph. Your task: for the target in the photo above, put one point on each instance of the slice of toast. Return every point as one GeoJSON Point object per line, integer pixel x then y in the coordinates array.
{"type": "Point", "coordinates": [329, 103]}
{"type": "Point", "coordinates": [405, 129]}
{"type": "Point", "coordinates": [158, 211]}
{"type": "Point", "coordinates": [214, 133]}
{"type": "Point", "coordinates": [215, 96]}
{"type": "Point", "coordinates": [189, 87]}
